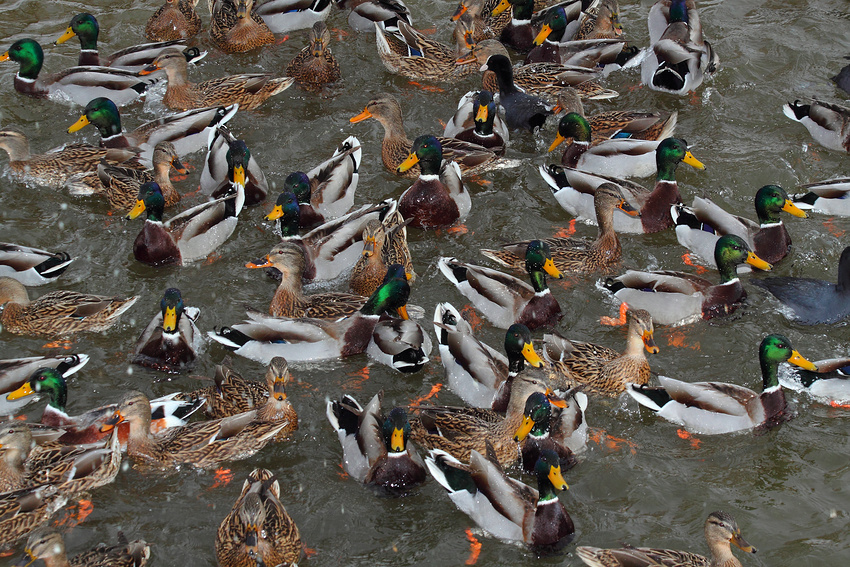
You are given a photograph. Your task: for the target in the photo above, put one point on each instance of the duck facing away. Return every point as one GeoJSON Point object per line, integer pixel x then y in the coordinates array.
{"type": "Point", "coordinates": [176, 19]}
{"type": "Point", "coordinates": [49, 546]}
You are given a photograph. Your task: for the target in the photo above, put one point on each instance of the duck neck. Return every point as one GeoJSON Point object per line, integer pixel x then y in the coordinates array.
{"type": "Point", "coordinates": [289, 297]}
{"type": "Point", "coordinates": [57, 560]}
{"type": "Point", "coordinates": [634, 342]}
{"type": "Point", "coordinates": [666, 170]}
{"type": "Point", "coordinates": [769, 373]}
{"type": "Point", "coordinates": [12, 472]}
{"type": "Point", "coordinates": [58, 397]}
{"type": "Point", "coordinates": [538, 281]}
{"type": "Point", "coordinates": [728, 272]}
{"type": "Point", "coordinates": [18, 148]}
{"type": "Point", "coordinates": [177, 74]}
{"type": "Point", "coordinates": [140, 441]}
{"type": "Point", "coordinates": [573, 153]}
{"type": "Point", "coordinates": [721, 555]}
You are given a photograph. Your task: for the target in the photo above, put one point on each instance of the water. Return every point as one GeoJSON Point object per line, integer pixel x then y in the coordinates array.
{"type": "Point", "coordinates": [786, 488]}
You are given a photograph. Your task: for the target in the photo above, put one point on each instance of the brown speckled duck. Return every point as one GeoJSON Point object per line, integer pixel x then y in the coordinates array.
{"type": "Point", "coordinates": [234, 28]}
{"type": "Point", "coordinates": [315, 65]}
{"type": "Point", "coordinates": [176, 19]}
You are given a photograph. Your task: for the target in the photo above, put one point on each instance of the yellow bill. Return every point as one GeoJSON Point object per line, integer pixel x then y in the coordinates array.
{"type": "Point", "coordinates": [22, 392]}
{"type": "Point", "coordinates": [69, 33]}
{"type": "Point", "coordinates": [397, 440]}
{"type": "Point", "coordinates": [791, 208]}
{"type": "Point", "coordinates": [137, 210]}
{"type": "Point", "coordinates": [549, 268]}
{"type": "Point", "coordinates": [543, 34]}
{"type": "Point", "coordinates": [557, 479]}
{"type": "Point", "coordinates": [531, 356]}
{"type": "Point", "coordinates": [692, 161]}
{"type": "Point", "coordinates": [80, 123]}
{"type": "Point", "coordinates": [524, 429]}
{"type": "Point", "coordinates": [797, 360]}
{"type": "Point", "coordinates": [558, 141]}
{"type": "Point", "coordinates": [757, 262]}
{"type": "Point", "coordinates": [411, 160]}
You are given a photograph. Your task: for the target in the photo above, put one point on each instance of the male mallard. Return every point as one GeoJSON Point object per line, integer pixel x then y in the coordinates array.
{"type": "Point", "coordinates": [557, 26]}
{"type": "Point", "coordinates": [249, 90]}
{"type": "Point", "coordinates": [717, 407]}
{"type": "Point", "coordinates": [698, 227]}
{"type": "Point", "coordinates": [504, 299]}
{"type": "Point", "coordinates": [477, 121]}
{"type": "Point", "coordinates": [519, 33]}
{"type": "Point", "coordinates": [573, 254]}
{"type": "Point", "coordinates": [234, 28]}
{"type": "Point", "coordinates": [365, 14]}
{"type": "Point", "coordinates": [384, 243]}
{"type": "Point", "coordinates": [828, 124]}
{"type": "Point", "coordinates": [376, 448]}
{"type": "Point", "coordinates": [600, 369]}
{"type": "Point", "coordinates": [828, 196]}
{"type": "Point", "coordinates": [522, 110]}
{"type": "Point", "coordinates": [121, 184]}
{"type": "Point", "coordinates": [176, 19]}
{"type": "Point", "coordinates": [283, 16]}
{"type": "Point", "coordinates": [559, 427]}
{"type": "Point", "coordinates": [574, 189]}
{"type": "Point", "coordinates": [315, 66]}
{"type": "Point", "coordinates": [828, 384]}
{"type": "Point", "coordinates": [58, 313]}
{"type": "Point", "coordinates": [49, 546]}
{"type": "Point", "coordinates": [417, 57]}
{"type": "Point", "coordinates": [678, 298]}
{"type": "Point", "coordinates": [171, 340]}
{"type": "Point", "coordinates": [720, 530]}
{"type": "Point", "coordinates": [31, 266]}
{"type": "Point", "coordinates": [229, 163]}
{"type": "Point", "coordinates": [258, 530]}
{"type": "Point", "coordinates": [14, 372]}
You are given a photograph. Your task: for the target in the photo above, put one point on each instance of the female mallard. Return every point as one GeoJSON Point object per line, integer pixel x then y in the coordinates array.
{"type": "Point", "coordinates": [720, 530]}
{"type": "Point", "coordinates": [315, 66]}
{"type": "Point", "coordinates": [477, 121]}
{"type": "Point", "coordinates": [230, 166]}
{"type": "Point", "coordinates": [717, 407]}
{"type": "Point", "coordinates": [234, 28]}
{"type": "Point", "coordinates": [258, 530]}
{"type": "Point", "coordinates": [573, 254]}
{"type": "Point", "coordinates": [176, 19]}
{"type": "Point", "coordinates": [121, 184]}
{"type": "Point", "coordinates": [480, 19]}
{"type": "Point", "coordinates": [49, 546]}
{"type": "Point", "coordinates": [546, 427]}
{"type": "Point", "coordinates": [601, 20]}
{"type": "Point", "coordinates": [504, 507]}
{"type": "Point", "coordinates": [79, 84]}
{"type": "Point", "coordinates": [417, 57]}
{"type": "Point", "coordinates": [58, 313]}
{"type": "Point", "coordinates": [284, 16]}
{"type": "Point", "coordinates": [249, 90]}
{"type": "Point", "coordinates": [376, 448]}
{"type": "Point", "coordinates": [504, 299]}
{"type": "Point", "coordinates": [574, 189]}
{"type": "Point", "coordinates": [14, 372]}
{"type": "Point", "coordinates": [522, 110]}
{"type": "Point", "coordinates": [188, 237]}
{"type": "Point", "coordinates": [23, 511]}
{"type": "Point", "coordinates": [828, 124]}
{"type": "Point", "coordinates": [679, 298]}
{"type": "Point", "coordinates": [384, 244]}
{"type": "Point", "coordinates": [829, 196]}
{"type": "Point", "coordinates": [171, 340]}
{"type": "Point", "coordinates": [600, 369]}
{"type": "Point", "coordinates": [698, 227]}
{"type": "Point", "coordinates": [31, 266]}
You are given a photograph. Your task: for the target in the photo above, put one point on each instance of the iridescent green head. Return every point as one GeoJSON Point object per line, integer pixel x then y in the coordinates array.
{"type": "Point", "coordinates": [538, 262]}
{"type": "Point", "coordinates": [535, 416]}
{"type": "Point", "coordinates": [171, 306]}
{"type": "Point", "coordinates": [427, 152]}
{"type": "Point", "coordinates": [773, 350]}
{"type": "Point", "coordinates": [390, 297]}
{"type": "Point", "coordinates": [574, 125]}
{"type": "Point", "coordinates": [549, 477]}
{"type": "Point", "coordinates": [47, 381]}
{"type": "Point", "coordinates": [729, 251]}
{"type": "Point", "coordinates": [520, 349]}
{"type": "Point", "coordinates": [29, 55]}
{"type": "Point", "coordinates": [554, 24]}
{"type": "Point", "coordinates": [103, 114]}
{"type": "Point", "coordinates": [771, 200]}
{"type": "Point", "coordinates": [299, 184]}
{"type": "Point", "coordinates": [288, 212]}
{"type": "Point", "coordinates": [85, 27]}
{"type": "Point", "coordinates": [396, 430]}
{"type": "Point", "coordinates": [678, 11]}
{"type": "Point", "coordinates": [669, 153]}
{"type": "Point", "coordinates": [238, 155]}
{"type": "Point", "coordinates": [150, 201]}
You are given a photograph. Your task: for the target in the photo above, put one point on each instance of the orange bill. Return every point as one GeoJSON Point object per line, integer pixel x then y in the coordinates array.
{"type": "Point", "coordinates": [360, 117]}
{"type": "Point", "coordinates": [798, 360]}
{"type": "Point", "coordinates": [545, 30]}
{"type": "Point", "coordinates": [481, 115]}
{"type": "Point", "coordinates": [501, 7]}
{"type": "Point", "coordinates": [461, 10]}
{"type": "Point", "coordinates": [265, 264]}
{"type": "Point", "coordinates": [276, 213]}
{"type": "Point", "coordinates": [628, 209]}
{"type": "Point", "coordinates": [649, 342]}
{"type": "Point", "coordinates": [549, 268]}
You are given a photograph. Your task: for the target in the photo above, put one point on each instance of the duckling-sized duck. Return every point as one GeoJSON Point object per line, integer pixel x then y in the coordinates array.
{"type": "Point", "coordinates": [176, 19]}
{"type": "Point", "coordinates": [77, 84]}
{"type": "Point", "coordinates": [14, 372]}
{"type": "Point", "coordinates": [365, 14]}
{"type": "Point", "coordinates": [522, 110]}
{"type": "Point", "coordinates": [49, 546]}
{"type": "Point", "coordinates": [417, 57]}
{"type": "Point", "coordinates": [188, 237]}
{"type": "Point", "coordinates": [249, 90]}
{"type": "Point", "coordinates": [574, 189]}
{"type": "Point", "coordinates": [504, 299]}
{"type": "Point", "coordinates": [504, 507]}
{"type": "Point", "coordinates": [229, 163]}
{"type": "Point", "coordinates": [58, 313]}
{"type": "Point", "coordinates": [31, 266]}
{"type": "Point", "coordinates": [573, 255]}
{"type": "Point", "coordinates": [376, 448]}
{"type": "Point", "coordinates": [720, 530]}
{"type": "Point", "coordinates": [717, 407]}
{"type": "Point", "coordinates": [600, 369]}
{"type": "Point", "coordinates": [698, 227]}
{"type": "Point", "coordinates": [678, 298]}
{"type": "Point", "coordinates": [828, 196]}
{"type": "Point", "coordinates": [171, 340]}
{"type": "Point", "coordinates": [544, 429]}
{"type": "Point", "coordinates": [234, 28]}
{"type": "Point", "coordinates": [284, 16]}
{"type": "Point", "coordinates": [121, 184]}
{"type": "Point", "coordinates": [811, 301]}
{"type": "Point", "coordinates": [477, 121]}
{"type": "Point", "coordinates": [384, 244]}
{"type": "Point", "coordinates": [828, 124]}
{"type": "Point", "coordinates": [258, 530]}
{"type": "Point", "coordinates": [315, 65]}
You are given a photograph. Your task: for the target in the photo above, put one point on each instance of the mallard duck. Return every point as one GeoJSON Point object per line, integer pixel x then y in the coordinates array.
{"type": "Point", "coordinates": [49, 546]}
{"type": "Point", "coordinates": [828, 384]}
{"type": "Point", "coordinates": [842, 79]}
{"type": "Point", "coordinates": [544, 428]}
{"type": "Point", "coordinates": [26, 510]}
{"type": "Point", "coordinates": [411, 54]}
{"type": "Point", "coordinates": [376, 448]}
{"type": "Point", "coordinates": [504, 299]}
{"type": "Point", "coordinates": [86, 29]}
{"type": "Point", "coordinates": [258, 530]}
{"type": "Point", "coordinates": [31, 266]}
{"type": "Point", "coordinates": [678, 56]}
{"type": "Point", "coordinates": [522, 110]}
{"type": "Point", "coordinates": [480, 19]}
{"type": "Point", "coordinates": [171, 340]}
{"type": "Point", "coordinates": [58, 313]}
{"type": "Point", "coordinates": [477, 121]}
{"type": "Point", "coordinates": [315, 66]}
{"type": "Point", "coordinates": [556, 27]}
{"type": "Point", "coordinates": [828, 196]}
{"type": "Point", "coordinates": [720, 530]}
{"type": "Point", "coordinates": [365, 14]}
{"type": "Point", "coordinates": [601, 20]}
{"type": "Point", "coordinates": [600, 369]}
{"type": "Point", "coordinates": [574, 189]}
{"type": "Point", "coordinates": [176, 19]}
{"type": "Point", "coordinates": [384, 243]}
{"type": "Point", "coordinates": [828, 124]}
{"type": "Point", "coordinates": [77, 84]}
{"type": "Point", "coordinates": [121, 184]}
{"type": "Point", "coordinates": [230, 163]}
{"type": "Point", "coordinates": [248, 90]}
{"type": "Point", "coordinates": [14, 372]}
{"type": "Point", "coordinates": [519, 33]}
{"type": "Point", "coordinates": [573, 254]}
{"type": "Point", "coordinates": [188, 237]}
{"type": "Point", "coordinates": [286, 15]}
{"type": "Point", "coordinates": [811, 301]}
{"type": "Point", "coordinates": [717, 407]}
{"type": "Point", "coordinates": [234, 28]}
{"type": "Point", "coordinates": [504, 507]}
{"type": "Point", "coordinates": [679, 298]}
{"type": "Point", "coordinates": [698, 227]}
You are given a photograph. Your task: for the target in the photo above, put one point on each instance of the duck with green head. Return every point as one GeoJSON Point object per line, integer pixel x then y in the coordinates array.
{"type": "Point", "coordinates": [480, 122]}
{"type": "Point", "coordinates": [543, 429]}
{"type": "Point", "coordinates": [519, 33]}
{"type": "Point", "coordinates": [552, 32]}
{"type": "Point", "coordinates": [171, 340]}
{"type": "Point", "coordinates": [228, 163]}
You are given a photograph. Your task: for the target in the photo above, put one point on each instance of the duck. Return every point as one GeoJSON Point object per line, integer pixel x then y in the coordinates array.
{"type": "Point", "coordinates": [171, 341]}
{"type": "Point", "coordinates": [810, 301]}
{"type": "Point", "coordinates": [714, 408]}
{"type": "Point", "coordinates": [480, 19]}
{"type": "Point", "coordinates": [828, 196]}
{"type": "Point", "coordinates": [698, 227]}
{"type": "Point", "coordinates": [364, 14]}
{"type": "Point", "coordinates": [376, 447]}
{"type": "Point", "coordinates": [415, 56]}
{"type": "Point", "coordinates": [174, 20]}
{"type": "Point", "coordinates": [828, 384]}
{"type": "Point", "coordinates": [185, 238]}
{"type": "Point", "coordinates": [234, 28]}
{"type": "Point", "coordinates": [504, 299]}
{"type": "Point", "coordinates": [23, 511]}
{"type": "Point", "coordinates": [75, 84]}
{"type": "Point", "coordinates": [49, 546]}
{"type": "Point", "coordinates": [384, 244]}
{"type": "Point", "coordinates": [477, 121]}
{"type": "Point", "coordinates": [248, 90]}
{"type": "Point", "coordinates": [678, 57]}
{"type": "Point", "coordinates": [828, 123]}
{"type": "Point", "coordinates": [573, 190]}
{"type": "Point", "coordinates": [519, 33]}
{"type": "Point", "coordinates": [602, 370]}
{"type": "Point", "coordinates": [230, 163]}
{"type": "Point", "coordinates": [477, 373]}
{"type": "Point", "coordinates": [58, 313]}
{"type": "Point", "coordinates": [674, 298]}
{"type": "Point", "coordinates": [121, 184]}
{"type": "Point", "coordinates": [601, 20]}
{"type": "Point", "coordinates": [258, 530]}
{"type": "Point", "coordinates": [842, 79]}
{"type": "Point", "coordinates": [504, 507]}
{"type": "Point", "coordinates": [556, 27]}
{"type": "Point", "coordinates": [543, 429]}
{"type": "Point", "coordinates": [14, 372]}
{"type": "Point", "coordinates": [86, 28]}
{"type": "Point", "coordinates": [282, 16]}
{"type": "Point", "coordinates": [31, 266]}
{"type": "Point", "coordinates": [721, 530]}
{"type": "Point", "coordinates": [315, 65]}
{"type": "Point", "coordinates": [573, 255]}
{"type": "Point", "coordinates": [522, 110]}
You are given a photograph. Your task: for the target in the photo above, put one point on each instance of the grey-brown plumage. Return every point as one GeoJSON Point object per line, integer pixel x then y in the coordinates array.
{"type": "Point", "coordinates": [315, 65]}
